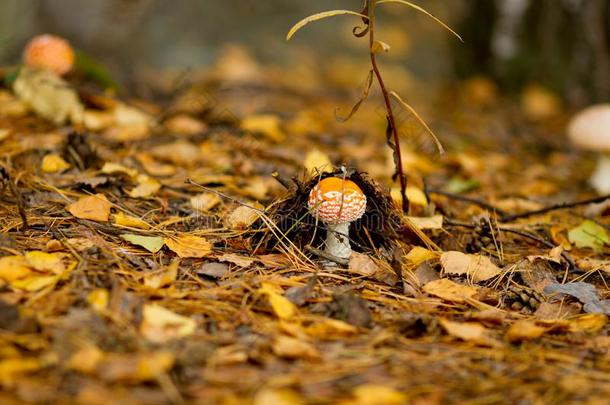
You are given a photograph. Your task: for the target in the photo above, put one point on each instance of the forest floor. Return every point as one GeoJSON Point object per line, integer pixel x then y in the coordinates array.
{"type": "Point", "coordinates": [143, 258]}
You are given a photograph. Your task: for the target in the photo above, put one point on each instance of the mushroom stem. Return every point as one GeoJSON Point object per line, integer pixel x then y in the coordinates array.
{"type": "Point", "coordinates": [600, 180]}
{"type": "Point", "coordinates": [337, 240]}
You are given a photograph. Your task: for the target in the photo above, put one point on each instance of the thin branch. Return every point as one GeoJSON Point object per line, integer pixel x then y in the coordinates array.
{"type": "Point", "coordinates": [560, 206]}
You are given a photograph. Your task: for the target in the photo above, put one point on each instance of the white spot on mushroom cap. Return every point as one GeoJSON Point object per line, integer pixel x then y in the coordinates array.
{"type": "Point", "coordinates": [590, 128]}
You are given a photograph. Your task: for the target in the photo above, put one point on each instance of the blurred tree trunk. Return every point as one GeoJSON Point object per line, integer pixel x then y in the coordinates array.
{"type": "Point", "coordinates": [562, 44]}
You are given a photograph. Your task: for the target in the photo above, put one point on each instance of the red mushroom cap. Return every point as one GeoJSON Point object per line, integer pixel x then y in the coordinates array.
{"type": "Point", "coordinates": [335, 200]}
{"type": "Point", "coordinates": [49, 52]}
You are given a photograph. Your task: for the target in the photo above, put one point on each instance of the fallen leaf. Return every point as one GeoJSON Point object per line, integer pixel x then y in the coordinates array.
{"type": "Point", "coordinates": [524, 330]}
{"type": "Point", "coordinates": [136, 367]}
{"type": "Point", "coordinates": [415, 195]}
{"type": "Point", "coordinates": [94, 207]}
{"type": "Point", "coordinates": [113, 168]}
{"type": "Point", "coordinates": [46, 262]}
{"type": "Point", "coordinates": [213, 269]}
{"type": "Point", "coordinates": [129, 221]}
{"type": "Point", "coordinates": [588, 323]}
{"type": "Point", "coordinates": [98, 299]}
{"type": "Point", "coordinates": [160, 325]}
{"type": "Point", "coordinates": [155, 168]}
{"type": "Point", "coordinates": [317, 161]}
{"type": "Point", "coordinates": [14, 268]}
{"type": "Point", "coordinates": [433, 222]}
{"type": "Point", "coordinates": [146, 187]}
{"type": "Point", "coordinates": [418, 254]}
{"type": "Point", "coordinates": [85, 360]}
{"type": "Point", "coordinates": [185, 125]}
{"type": "Point", "coordinates": [468, 331]}
{"type": "Point", "coordinates": [13, 369]}
{"type": "Point", "coordinates": [242, 217]}
{"type": "Point", "coordinates": [266, 124]}
{"type": "Point", "coordinates": [374, 394]}
{"type": "Point", "coordinates": [450, 291]}
{"type": "Point", "coordinates": [589, 235]}
{"type": "Point", "coordinates": [53, 163]}
{"type": "Point", "coordinates": [330, 329]}
{"type": "Point", "coordinates": [162, 278]}
{"type": "Point", "coordinates": [281, 306]}
{"type": "Point", "coordinates": [241, 261]}
{"type": "Point", "coordinates": [293, 348]}
{"type": "Point", "coordinates": [189, 246]}
{"type": "Point", "coordinates": [277, 396]}
{"type": "Point", "coordinates": [205, 202]}
{"type": "Point", "coordinates": [362, 264]}
{"type": "Point", "coordinates": [475, 267]}
{"type": "Point", "coordinates": [151, 243]}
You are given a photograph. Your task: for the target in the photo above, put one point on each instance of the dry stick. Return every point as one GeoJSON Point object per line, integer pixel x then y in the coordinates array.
{"type": "Point", "coordinates": [390, 112]}
{"type": "Point", "coordinates": [509, 218]}
{"type": "Point", "coordinates": [15, 191]}
{"type": "Point", "coordinates": [472, 200]}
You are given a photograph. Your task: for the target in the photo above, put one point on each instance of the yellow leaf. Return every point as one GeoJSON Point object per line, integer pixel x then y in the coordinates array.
{"type": "Point", "coordinates": [475, 267]}
{"type": "Point", "coordinates": [111, 168]}
{"type": "Point", "coordinates": [266, 124]}
{"type": "Point", "coordinates": [433, 222]}
{"type": "Point", "coordinates": [129, 221]}
{"type": "Point", "coordinates": [94, 207]}
{"type": "Point", "coordinates": [282, 306]}
{"type": "Point", "coordinates": [468, 331]}
{"type": "Point", "coordinates": [46, 262]}
{"type": "Point", "coordinates": [85, 360]}
{"type": "Point", "coordinates": [14, 268]}
{"type": "Point", "coordinates": [277, 396]}
{"type": "Point", "coordinates": [153, 167]}
{"type": "Point", "coordinates": [146, 187]}
{"type": "Point", "coordinates": [151, 243]}
{"type": "Point", "coordinates": [54, 163]}
{"type": "Point", "coordinates": [373, 394]}
{"type": "Point", "coordinates": [293, 348]}
{"type": "Point", "coordinates": [204, 202]}
{"type": "Point", "coordinates": [380, 46]}
{"type": "Point", "coordinates": [242, 217]}
{"type": "Point", "coordinates": [98, 299]}
{"type": "Point", "coordinates": [419, 255]}
{"type": "Point", "coordinates": [319, 16]}
{"type": "Point", "coordinates": [588, 323]}
{"type": "Point", "coordinates": [35, 283]}
{"type": "Point", "coordinates": [327, 328]}
{"type": "Point", "coordinates": [414, 194]}
{"type": "Point", "coordinates": [160, 325]}
{"type": "Point", "coordinates": [13, 369]}
{"type": "Point", "coordinates": [450, 291]}
{"type": "Point", "coordinates": [137, 368]}
{"type": "Point", "coordinates": [524, 330]}
{"type": "Point", "coordinates": [317, 161]}
{"type": "Point", "coordinates": [162, 278]}
{"type": "Point", "coordinates": [189, 246]}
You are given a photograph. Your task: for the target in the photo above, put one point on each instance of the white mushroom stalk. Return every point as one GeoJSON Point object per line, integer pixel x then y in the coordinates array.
{"type": "Point", "coordinates": [590, 130]}
{"type": "Point", "coordinates": [337, 202]}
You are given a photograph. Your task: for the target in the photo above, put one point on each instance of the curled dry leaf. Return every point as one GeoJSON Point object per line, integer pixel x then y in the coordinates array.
{"type": "Point", "coordinates": [189, 245]}
{"type": "Point", "coordinates": [475, 267]}
{"type": "Point", "coordinates": [94, 207]}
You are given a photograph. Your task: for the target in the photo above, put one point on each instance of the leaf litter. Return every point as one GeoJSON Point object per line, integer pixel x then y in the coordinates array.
{"type": "Point", "coordinates": [130, 282]}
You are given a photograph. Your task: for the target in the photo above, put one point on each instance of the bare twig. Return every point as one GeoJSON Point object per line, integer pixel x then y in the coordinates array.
{"type": "Point", "coordinates": [458, 197]}
{"type": "Point", "coordinates": [560, 206]}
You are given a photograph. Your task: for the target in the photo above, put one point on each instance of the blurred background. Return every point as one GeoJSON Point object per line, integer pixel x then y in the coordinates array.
{"type": "Point", "coordinates": [563, 45]}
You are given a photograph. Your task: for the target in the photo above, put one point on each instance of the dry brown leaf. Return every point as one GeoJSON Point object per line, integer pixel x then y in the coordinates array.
{"type": "Point", "coordinates": [475, 267]}
{"type": "Point", "coordinates": [450, 291]}
{"type": "Point", "coordinates": [162, 278]}
{"type": "Point", "coordinates": [189, 245]}
{"type": "Point", "coordinates": [160, 325]}
{"type": "Point", "coordinates": [135, 367]}
{"type": "Point", "coordinates": [204, 202]}
{"type": "Point", "coordinates": [468, 331]}
{"type": "Point", "coordinates": [524, 330]}
{"type": "Point", "coordinates": [94, 207]}
{"type": "Point", "coordinates": [293, 348]}
{"type": "Point", "coordinates": [242, 217]}
{"type": "Point", "coordinates": [185, 125]}
{"type": "Point", "coordinates": [241, 261]}
{"type": "Point", "coordinates": [146, 187]}
{"type": "Point", "coordinates": [362, 264]}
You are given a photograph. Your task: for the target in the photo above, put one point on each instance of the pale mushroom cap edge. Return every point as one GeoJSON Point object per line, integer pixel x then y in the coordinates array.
{"type": "Point", "coordinates": [590, 128]}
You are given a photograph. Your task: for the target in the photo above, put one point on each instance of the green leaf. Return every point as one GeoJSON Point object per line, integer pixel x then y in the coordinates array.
{"type": "Point", "coordinates": [319, 16]}
{"type": "Point", "coordinates": [458, 185]}
{"type": "Point", "coordinates": [589, 235]}
{"type": "Point", "coordinates": [151, 243]}
{"type": "Point", "coordinates": [423, 10]}
{"type": "Point", "coordinates": [92, 69]}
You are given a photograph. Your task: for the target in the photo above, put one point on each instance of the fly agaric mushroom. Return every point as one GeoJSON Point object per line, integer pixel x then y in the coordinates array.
{"type": "Point", "coordinates": [590, 129]}
{"type": "Point", "coordinates": [49, 52]}
{"type": "Point", "coordinates": [337, 202]}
